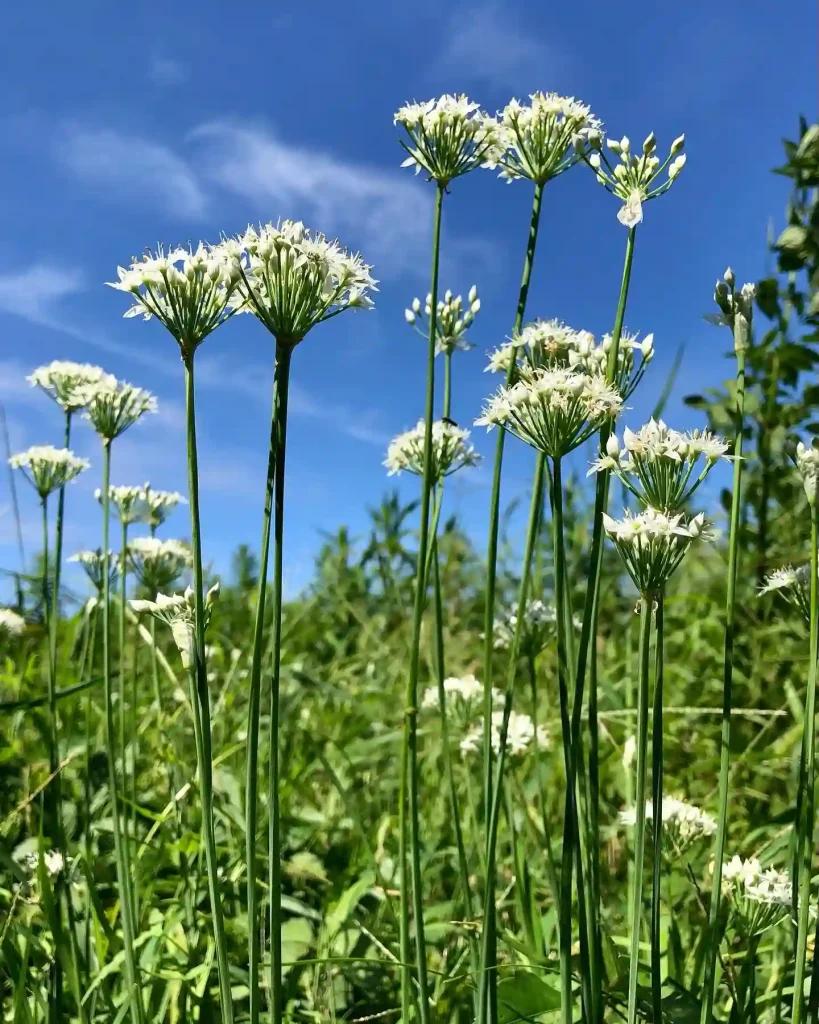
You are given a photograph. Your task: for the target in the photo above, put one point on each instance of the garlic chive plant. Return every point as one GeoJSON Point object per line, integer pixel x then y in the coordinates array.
{"type": "Point", "coordinates": [451, 325]}
{"type": "Point", "coordinates": [451, 451]}
{"type": "Point", "coordinates": [291, 280]}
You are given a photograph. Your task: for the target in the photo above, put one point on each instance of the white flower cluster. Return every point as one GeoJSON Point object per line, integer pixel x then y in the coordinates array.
{"type": "Point", "coordinates": [63, 381]}
{"type": "Point", "coordinates": [535, 140]}
{"type": "Point", "coordinates": [807, 462]}
{"type": "Point", "coordinates": [736, 309]}
{"type": "Point", "coordinates": [11, 624]}
{"type": "Point", "coordinates": [178, 611]}
{"type": "Point", "coordinates": [158, 505]}
{"type": "Point", "coordinates": [552, 410]}
{"type": "Point", "coordinates": [760, 898]}
{"type": "Point", "coordinates": [520, 735]}
{"type": "Point", "coordinates": [447, 137]}
{"type": "Point", "coordinates": [539, 624]}
{"type": "Point", "coordinates": [94, 564]}
{"type": "Point", "coordinates": [53, 862]}
{"type": "Point", "coordinates": [450, 450]}
{"type": "Point", "coordinates": [158, 563]}
{"type": "Point", "coordinates": [451, 322]}
{"type": "Point", "coordinates": [793, 584]}
{"type": "Point", "coordinates": [188, 291]}
{"type": "Point", "coordinates": [292, 279]}
{"type": "Point", "coordinates": [463, 691]}
{"type": "Point", "coordinates": [48, 468]}
{"type": "Point", "coordinates": [114, 406]}
{"type": "Point", "coordinates": [682, 822]}
{"type": "Point", "coordinates": [652, 544]}
{"type": "Point", "coordinates": [657, 463]}
{"type": "Point", "coordinates": [126, 500]}
{"type": "Point", "coordinates": [635, 178]}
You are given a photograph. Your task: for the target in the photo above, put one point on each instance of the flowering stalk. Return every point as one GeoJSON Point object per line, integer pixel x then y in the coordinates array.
{"type": "Point", "coordinates": [657, 802]}
{"type": "Point", "coordinates": [408, 810]}
{"type": "Point", "coordinates": [201, 703]}
{"type": "Point", "coordinates": [737, 310]}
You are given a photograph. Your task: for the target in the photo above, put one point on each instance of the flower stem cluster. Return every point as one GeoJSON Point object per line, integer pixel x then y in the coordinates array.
{"type": "Point", "coordinates": [157, 563]}
{"type": "Point", "coordinates": [179, 612]}
{"type": "Point", "coordinates": [451, 322]}
{"type": "Point", "coordinates": [652, 544]}
{"type": "Point", "coordinates": [634, 179]}
{"type": "Point", "coordinates": [112, 407]}
{"type": "Point", "coordinates": [760, 898]}
{"type": "Point", "coordinates": [64, 381]}
{"type": "Point", "coordinates": [450, 451]}
{"type": "Point", "coordinates": [446, 137]}
{"type": "Point", "coordinates": [48, 468]}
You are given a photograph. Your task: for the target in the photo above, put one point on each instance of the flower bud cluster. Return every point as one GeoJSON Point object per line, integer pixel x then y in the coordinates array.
{"type": "Point", "coordinates": [736, 309]}
{"type": "Point", "coordinates": [451, 321]}
{"type": "Point", "coordinates": [447, 137]}
{"type": "Point", "coordinates": [179, 612]}
{"type": "Point", "coordinates": [760, 898]}
{"type": "Point", "coordinates": [113, 406]}
{"type": "Point", "coordinates": [450, 451]}
{"type": "Point", "coordinates": [48, 468]}
{"type": "Point", "coordinates": [538, 628]}
{"type": "Point", "coordinates": [682, 822]}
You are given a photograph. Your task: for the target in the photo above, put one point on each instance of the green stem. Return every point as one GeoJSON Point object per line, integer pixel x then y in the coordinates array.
{"type": "Point", "coordinates": [727, 684]}
{"type": "Point", "coordinates": [646, 601]}
{"type": "Point", "coordinates": [487, 1010]}
{"type": "Point", "coordinates": [283, 356]}
{"type": "Point", "coordinates": [123, 873]}
{"type": "Point", "coordinates": [201, 704]}
{"type": "Point", "coordinates": [551, 866]}
{"type": "Point", "coordinates": [657, 820]}
{"type": "Point", "coordinates": [447, 384]}
{"type": "Point", "coordinates": [805, 826]}
{"type": "Point", "coordinates": [253, 722]}
{"type": "Point", "coordinates": [409, 813]}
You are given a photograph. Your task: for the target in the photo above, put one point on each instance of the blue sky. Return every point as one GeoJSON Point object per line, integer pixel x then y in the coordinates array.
{"type": "Point", "coordinates": [124, 127]}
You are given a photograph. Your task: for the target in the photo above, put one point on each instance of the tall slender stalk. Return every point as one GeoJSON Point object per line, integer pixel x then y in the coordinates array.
{"type": "Point", "coordinates": [805, 825]}
{"type": "Point", "coordinates": [123, 873]}
{"type": "Point", "coordinates": [408, 811]}
{"type": "Point", "coordinates": [200, 702]}
{"type": "Point", "coordinates": [657, 820]}
{"type": "Point", "coordinates": [253, 723]}
{"type": "Point", "coordinates": [283, 355]}
{"type": "Point", "coordinates": [646, 601]}
{"type": "Point", "coordinates": [727, 684]}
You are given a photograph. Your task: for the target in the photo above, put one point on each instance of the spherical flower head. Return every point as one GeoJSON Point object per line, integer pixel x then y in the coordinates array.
{"type": "Point", "coordinates": [93, 562]}
{"type": "Point", "coordinates": [683, 823]}
{"type": "Point", "coordinates": [127, 502]}
{"type": "Point", "coordinates": [538, 628]}
{"type": "Point", "coordinates": [446, 137]}
{"type": "Point", "coordinates": [157, 563]}
{"type": "Point", "coordinates": [736, 309]}
{"type": "Point", "coordinates": [292, 280]}
{"type": "Point", "coordinates": [520, 735]}
{"type": "Point", "coordinates": [11, 624]}
{"type": "Point", "coordinates": [452, 319]}
{"type": "Point", "coordinates": [633, 179]}
{"type": "Point", "coordinates": [48, 468]}
{"type": "Point", "coordinates": [113, 408]}
{"type": "Point", "coordinates": [450, 451]}
{"type": "Point", "coordinates": [158, 505]}
{"type": "Point", "coordinates": [657, 464]}
{"type": "Point", "coordinates": [63, 381]}
{"type": "Point", "coordinates": [537, 140]}
{"type": "Point", "coordinates": [807, 462]}
{"type": "Point", "coordinates": [179, 612]}
{"type": "Point", "coordinates": [793, 585]}
{"type": "Point", "coordinates": [552, 410]}
{"type": "Point", "coordinates": [652, 544]}
{"type": "Point", "coordinates": [760, 898]}
{"type": "Point", "coordinates": [187, 290]}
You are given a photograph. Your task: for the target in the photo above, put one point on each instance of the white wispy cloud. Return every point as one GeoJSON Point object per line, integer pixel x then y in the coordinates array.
{"type": "Point", "coordinates": [132, 167]}
{"type": "Point", "coordinates": [491, 43]}
{"type": "Point", "coordinates": [34, 293]}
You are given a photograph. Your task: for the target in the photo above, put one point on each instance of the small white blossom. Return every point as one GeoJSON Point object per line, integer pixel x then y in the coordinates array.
{"type": "Point", "coordinates": [11, 624]}
{"type": "Point", "coordinates": [112, 408]}
{"type": "Point", "coordinates": [519, 736]}
{"type": "Point", "coordinates": [652, 544]}
{"type": "Point", "coordinates": [450, 450]}
{"type": "Point", "coordinates": [451, 319]}
{"type": "Point", "coordinates": [447, 137]}
{"type": "Point", "coordinates": [502, 359]}
{"type": "Point", "coordinates": [179, 612]}
{"type": "Point", "coordinates": [793, 584]}
{"type": "Point", "coordinates": [63, 381]}
{"type": "Point", "coordinates": [48, 468]}
{"type": "Point", "coordinates": [760, 898]}
{"type": "Point", "coordinates": [807, 462]}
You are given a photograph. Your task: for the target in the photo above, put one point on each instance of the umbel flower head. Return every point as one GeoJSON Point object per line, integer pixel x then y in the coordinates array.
{"type": "Point", "coordinates": [158, 505]}
{"type": "Point", "coordinates": [451, 322]}
{"type": "Point", "coordinates": [628, 372]}
{"type": "Point", "coordinates": [682, 822]}
{"type": "Point", "coordinates": [11, 624]}
{"type": "Point", "coordinates": [634, 179]}
{"type": "Point", "coordinates": [63, 381]}
{"type": "Point", "coordinates": [157, 563]}
{"type": "Point", "coordinates": [539, 625]}
{"type": "Point", "coordinates": [793, 584]}
{"type": "Point", "coordinates": [520, 735]}
{"type": "Point", "coordinates": [450, 450]}
{"type": "Point", "coordinates": [94, 565]}
{"type": "Point", "coordinates": [807, 462]}
{"type": "Point", "coordinates": [461, 692]}
{"type": "Point", "coordinates": [447, 137]}
{"type": "Point", "coordinates": [178, 611]}
{"type": "Point", "coordinates": [48, 468]}
{"type": "Point", "coordinates": [126, 500]}
{"type": "Point", "coordinates": [736, 309]}
{"type": "Point", "coordinates": [657, 464]}
{"type": "Point", "coordinates": [552, 410]}
{"type": "Point", "coordinates": [760, 899]}
{"type": "Point", "coordinates": [535, 141]}
{"type": "Point", "coordinates": [112, 408]}
{"type": "Point", "coordinates": [188, 291]}
{"type": "Point", "coordinates": [292, 280]}
{"type": "Point", "coordinates": [652, 544]}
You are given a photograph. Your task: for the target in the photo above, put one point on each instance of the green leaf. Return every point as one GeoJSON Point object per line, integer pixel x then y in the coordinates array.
{"type": "Point", "coordinates": [524, 996]}
{"type": "Point", "coordinates": [297, 938]}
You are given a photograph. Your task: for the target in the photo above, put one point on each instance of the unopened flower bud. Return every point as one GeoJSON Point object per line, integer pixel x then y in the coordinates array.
{"type": "Point", "coordinates": [594, 139]}
{"type": "Point", "coordinates": [676, 166]}
{"type": "Point", "coordinates": [613, 446]}
{"type": "Point", "coordinates": [416, 305]}
{"type": "Point", "coordinates": [475, 307]}
{"type": "Point", "coordinates": [729, 277]}
{"type": "Point", "coordinates": [447, 296]}
{"type": "Point", "coordinates": [613, 145]}
{"type": "Point", "coordinates": [594, 161]}
{"type": "Point", "coordinates": [625, 144]}
{"type": "Point", "coordinates": [647, 346]}
{"type": "Point", "coordinates": [677, 144]}
{"type": "Point", "coordinates": [473, 294]}
{"type": "Point", "coordinates": [409, 316]}
{"type": "Point", "coordinates": [650, 143]}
